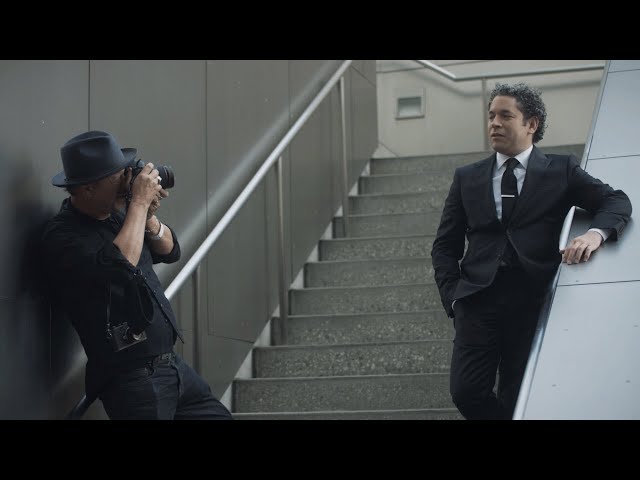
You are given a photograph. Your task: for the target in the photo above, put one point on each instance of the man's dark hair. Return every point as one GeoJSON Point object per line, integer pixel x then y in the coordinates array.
{"type": "Point", "coordinates": [528, 100]}
{"type": "Point", "coordinates": [72, 190]}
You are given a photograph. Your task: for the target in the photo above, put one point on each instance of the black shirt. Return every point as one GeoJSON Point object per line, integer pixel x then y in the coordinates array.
{"type": "Point", "coordinates": [84, 269]}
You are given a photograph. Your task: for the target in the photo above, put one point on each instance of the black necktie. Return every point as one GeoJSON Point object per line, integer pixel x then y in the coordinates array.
{"type": "Point", "coordinates": [509, 191]}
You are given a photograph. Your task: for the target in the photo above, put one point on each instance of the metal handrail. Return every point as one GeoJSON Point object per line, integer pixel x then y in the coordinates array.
{"type": "Point", "coordinates": [192, 267]}
{"type": "Point", "coordinates": [486, 76]}
{"type": "Point", "coordinates": [523, 73]}
{"type": "Point", "coordinates": [536, 344]}
{"type": "Point", "coordinates": [197, 257]}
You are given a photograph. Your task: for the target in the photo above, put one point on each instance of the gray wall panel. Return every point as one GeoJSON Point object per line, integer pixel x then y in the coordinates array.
{"type": "Point", "coordinates": [159, 108]}
{"type": "Point", "coordinates": [25, 354]}
{"type": "Point", "coordinates": [248, 113]}
{"type": "Point", "coordinates": [309, 77]}
{"type": "Point", "coordinates": [43, 103]}
{"type": "Point", "coordinates": [370, 72]}
{"type": "Point", "coordinates": [311, 178]}
{"type": "Point", "coordinates": [365, 128]}
{"type": "Point", "coordinates": [586, 365]}
{"type": "Point", "coordinates": [619, 111]}
{"type": "Point", "coordinates": [237, 279]}
{"type": "Point", "coordinates": [620, 65]}
{"type": "Point", "coordinates": [222, 353]}
{"type": "Point", "coordinates": [615, 261]}
{"type": "Point", "coordinates": [589, 366]}
{"type": "Point", "coordinates": [358, 65]}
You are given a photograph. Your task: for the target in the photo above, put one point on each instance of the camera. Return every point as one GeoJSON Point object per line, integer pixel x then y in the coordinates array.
{"type": "Point", "coordinates": [121, 336]}
{"type": "Point", "coordinates": [165, 172]}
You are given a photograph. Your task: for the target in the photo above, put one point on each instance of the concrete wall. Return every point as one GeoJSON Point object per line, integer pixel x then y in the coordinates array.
{"type": "Point", "coordinates": [214, 122]}
{"type": "Point", "coordinates": [455, 114]}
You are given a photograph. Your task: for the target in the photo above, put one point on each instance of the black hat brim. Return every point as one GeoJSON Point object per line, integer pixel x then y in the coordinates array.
{"type": "Point", "coordinates": [60, 180]}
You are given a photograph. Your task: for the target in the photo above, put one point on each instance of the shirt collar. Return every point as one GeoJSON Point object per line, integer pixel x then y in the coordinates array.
{"type": "Point", "coordinates": [523, 158]}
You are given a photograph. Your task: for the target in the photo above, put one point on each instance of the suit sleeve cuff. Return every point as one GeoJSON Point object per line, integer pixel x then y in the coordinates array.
{"type": "Point", "coordinates": [603, 233]}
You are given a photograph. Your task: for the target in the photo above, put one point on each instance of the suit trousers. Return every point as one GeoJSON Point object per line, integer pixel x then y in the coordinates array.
{"type": "Point", "coordinates": [493, 332]}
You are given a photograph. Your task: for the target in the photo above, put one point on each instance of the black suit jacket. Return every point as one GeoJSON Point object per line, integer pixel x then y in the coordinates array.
{"type": "Point", "coordinates": [552, 185]}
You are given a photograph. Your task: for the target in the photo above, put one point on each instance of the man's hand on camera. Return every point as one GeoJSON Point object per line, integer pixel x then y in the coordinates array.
{"type": "Point", "coordinates": [146, 186]}
{"type": "Point", "coordinates": [155, 204]}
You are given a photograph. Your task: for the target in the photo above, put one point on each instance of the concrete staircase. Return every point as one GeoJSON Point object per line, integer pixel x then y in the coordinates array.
{"type": "Point", "coordinates": [367, 336]}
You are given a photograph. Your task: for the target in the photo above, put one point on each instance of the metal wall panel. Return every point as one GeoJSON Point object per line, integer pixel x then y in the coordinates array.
{"type": "Point", "coordinates": [615, 261]}
{"type": "Point", "coordinates": [43, 104]}
{"type": "Point", "coordinates": [248, 113]}
{"type": "Point", "coordinates": [619, 111]}
{"type": "Point", "coordinates": [586, 365]}
{"type": "Point", "coordinates": [312, 168]}
{"type": "Point", "coordinates": [589, 365]}
{"type": "Point", "coordinates": [365, 125]}
{"type": "Point", "coordinates": [237, 275]}
{"type": "Point", "coordinates": [221, 354]}
{"type": "Point", "coordinates": [369, 71]}
{"type": "Point", "coordinates": [620, 65]}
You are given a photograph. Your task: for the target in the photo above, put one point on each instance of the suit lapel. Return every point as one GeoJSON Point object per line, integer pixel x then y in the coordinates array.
{"type": "Point", "coordinates": [483, 176]}
{"type": "Point", "coordinates": [536, 167]}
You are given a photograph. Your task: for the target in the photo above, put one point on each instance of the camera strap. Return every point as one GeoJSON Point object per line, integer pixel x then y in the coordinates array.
{"type": "Point", "coordinates": [109, 335]}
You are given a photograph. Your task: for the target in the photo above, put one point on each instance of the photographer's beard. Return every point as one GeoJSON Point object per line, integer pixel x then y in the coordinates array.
{"type": "Point", "coordinates": [99, 199]}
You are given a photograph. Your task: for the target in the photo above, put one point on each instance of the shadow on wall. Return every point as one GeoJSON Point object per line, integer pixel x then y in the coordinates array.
{"type": "Point", "coordinates": [32, 350]}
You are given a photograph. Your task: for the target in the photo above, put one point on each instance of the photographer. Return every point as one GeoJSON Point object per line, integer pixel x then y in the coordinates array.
{"type": "Point", "coordinates": [98, 252]}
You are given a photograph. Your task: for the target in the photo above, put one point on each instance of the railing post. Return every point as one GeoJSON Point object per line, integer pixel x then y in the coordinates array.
{"type": "Point", "coordinates": [485, 102]}
{"type": "Point", "coordinates": [282, 286]}
{"type": "Point", "coordinates": [345, 167]}
{"type": "Point", "coordinates": [197, 342]}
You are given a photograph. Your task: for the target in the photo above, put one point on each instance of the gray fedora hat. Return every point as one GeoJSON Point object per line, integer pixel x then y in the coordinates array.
{"type": "Point", "coordinates": [90, 156]}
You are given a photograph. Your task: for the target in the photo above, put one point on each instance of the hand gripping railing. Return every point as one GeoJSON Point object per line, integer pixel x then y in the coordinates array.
{"type": "Point", "coordinates": [192, 267]}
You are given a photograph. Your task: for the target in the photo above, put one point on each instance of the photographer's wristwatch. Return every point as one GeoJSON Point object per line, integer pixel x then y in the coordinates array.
{"type": "Point", "coordinates": [158, 236]}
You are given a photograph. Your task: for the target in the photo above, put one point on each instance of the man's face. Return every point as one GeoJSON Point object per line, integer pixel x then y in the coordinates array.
{"type": "Point", "coordinates": [106, 191]}
{"type": "Point", "coordinates": [509, 133]}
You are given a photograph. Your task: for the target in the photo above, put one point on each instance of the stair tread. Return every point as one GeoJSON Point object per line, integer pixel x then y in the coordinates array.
{"type": "Point", "coordinates": [346, 345]}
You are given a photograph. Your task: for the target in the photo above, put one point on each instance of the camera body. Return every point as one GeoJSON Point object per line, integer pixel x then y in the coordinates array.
{"type": "Point", "coordinates": [166, 173]}
{"type": "Point", "coordinates": [121, 337]}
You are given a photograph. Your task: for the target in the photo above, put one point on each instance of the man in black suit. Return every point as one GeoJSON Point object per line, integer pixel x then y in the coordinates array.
{"type": "Point", "coordinates": [511, 207]}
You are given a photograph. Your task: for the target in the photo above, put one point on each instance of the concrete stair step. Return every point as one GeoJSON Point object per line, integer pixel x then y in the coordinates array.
{"type": "Point", "coordinates": [368, 328]}
{"type": "Point", "coordinates": [434, 183]}
{"type": "Point", "coordinates": [445, 163]}
{"type": "Point", "coordinates": [425, 356]}
{"type": "Point", "coordinates": [396, 224]}
{"type": "Point", "coordinates": [368, 272]}
{"type": "Point", "coordinates": [423, 414]}
{"type": "Point", "coordinates": [370, 248]}
{"type": "Point", "coordinates": [369, 392]}
{"type": "Point", "coordinates": [382, 299]}
{"type": "Point", "coordinates": [396, 203]}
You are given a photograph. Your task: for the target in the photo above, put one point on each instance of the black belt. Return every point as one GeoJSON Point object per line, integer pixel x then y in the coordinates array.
{"type": "Point", "coordinates": [164, 358]}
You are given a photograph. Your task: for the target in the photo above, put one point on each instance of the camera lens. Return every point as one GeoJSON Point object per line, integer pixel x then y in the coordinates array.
{"type": "Point", "coordinates": [166, 173]}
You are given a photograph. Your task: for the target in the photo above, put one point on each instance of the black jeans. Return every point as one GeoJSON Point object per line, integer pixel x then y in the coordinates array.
{"type": "Point", "coordinates": [494, 329]}
{"type": "Point", "coordinates": [168, 390]}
